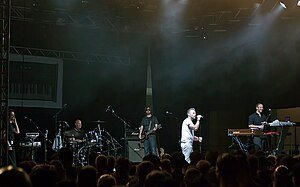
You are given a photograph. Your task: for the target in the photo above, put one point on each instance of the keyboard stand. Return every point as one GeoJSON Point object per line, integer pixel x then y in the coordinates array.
{"type": "Point", "coordinates": [242, 146]}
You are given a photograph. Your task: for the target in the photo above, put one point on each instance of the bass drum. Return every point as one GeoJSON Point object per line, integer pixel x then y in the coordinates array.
{"type": "Point", "coordinates": [105, 145]}
{"type": "Point", "coordinates": [87, 154]}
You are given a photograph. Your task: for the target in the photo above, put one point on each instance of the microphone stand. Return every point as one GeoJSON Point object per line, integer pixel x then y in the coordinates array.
{"type": "Point", "coordinates": [268, 139]}
{"type": "Point", "coordinates": [126, 125]}
{"type": "Point", "coordinates": [200, 143]}
{"type": "Point", "coordinates": [268, 117]}
{"type": "Point", "coordinates": [55, 116]}
{"type": "Point", "coordinates": [45, 137]}
{"type": "Point", "coordinates": [172, 114]}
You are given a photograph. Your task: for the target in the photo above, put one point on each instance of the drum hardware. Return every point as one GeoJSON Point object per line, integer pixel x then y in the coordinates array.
{"type": "Point", "coordinates": [96, 141]}
{"type": "Point", "coordinates": [92, 138]}
{"type": "Point", "coordinates": [99, 130]}
{"type": "Point", "coordinates": [105, 144]}
{"type": "Point", "coordinates": [57, 142]}
{"type": "Point", "coordinates": [73, 134]}
{"type": "Point", "coordinates": [74, 145]}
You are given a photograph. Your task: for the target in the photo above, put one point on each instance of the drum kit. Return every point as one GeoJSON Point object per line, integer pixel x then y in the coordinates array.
{"type": "Point", "coordinates": [97, 141]}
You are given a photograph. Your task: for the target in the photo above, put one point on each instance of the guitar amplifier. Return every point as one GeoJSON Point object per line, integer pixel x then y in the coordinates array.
{"type": "Point", "coordinates": [132, 134]}
{"type": "Point", "coordinates": [135, 151]}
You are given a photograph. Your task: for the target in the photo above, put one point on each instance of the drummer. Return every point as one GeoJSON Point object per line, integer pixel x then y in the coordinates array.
{"type": "Point", "coordinates": [76, 134]}
{"type": "Point", "coordinates": [78, 128]}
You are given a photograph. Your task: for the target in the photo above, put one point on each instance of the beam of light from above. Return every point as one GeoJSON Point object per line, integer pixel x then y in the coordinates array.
{"type": "Point", "coordinates": [171, 18]}
{"type": "Point", "coordinates": [258, 31]}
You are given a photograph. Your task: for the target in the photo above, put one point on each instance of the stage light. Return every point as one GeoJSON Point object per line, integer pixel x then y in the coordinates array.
{"type": "Point", "coordinates": [282, 4]}
{"type": "Point", "coordinates": [289, 3]}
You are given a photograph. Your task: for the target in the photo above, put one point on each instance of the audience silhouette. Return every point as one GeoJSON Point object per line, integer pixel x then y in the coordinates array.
{"type": "Point", "coordinates": [212, 169]}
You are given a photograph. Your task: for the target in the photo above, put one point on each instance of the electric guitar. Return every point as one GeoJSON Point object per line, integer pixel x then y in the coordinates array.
{"type": "Point", "coordinates": [146, 134]}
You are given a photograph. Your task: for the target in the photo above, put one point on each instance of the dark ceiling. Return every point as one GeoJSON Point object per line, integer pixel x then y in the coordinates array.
{"type": "Point", "coordinates": [150, 16]}
{"type": "Point", "coordinates": [241, 42]}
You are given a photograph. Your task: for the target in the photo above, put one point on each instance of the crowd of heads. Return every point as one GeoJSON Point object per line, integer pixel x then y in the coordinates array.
{"type": "Point", "coordinates": [208, 169]}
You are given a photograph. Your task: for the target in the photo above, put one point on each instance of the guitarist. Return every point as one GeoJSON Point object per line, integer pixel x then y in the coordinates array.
{"type": "Point", "coordinates": [149, 125]}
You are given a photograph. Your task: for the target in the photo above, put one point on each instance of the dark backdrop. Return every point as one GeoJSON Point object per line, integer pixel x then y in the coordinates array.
{"type": "Point", "coordinates": [225, 71]}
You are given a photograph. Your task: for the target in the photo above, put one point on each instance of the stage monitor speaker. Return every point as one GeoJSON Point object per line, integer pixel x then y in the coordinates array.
{"type": "Point", "coordinates": [135, 151]}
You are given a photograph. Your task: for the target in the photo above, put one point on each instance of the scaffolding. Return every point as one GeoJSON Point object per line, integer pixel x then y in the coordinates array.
{"type": "Point", "coordinates": [5, 6]}
{"type": "Point", "coordinates": [72, 56]}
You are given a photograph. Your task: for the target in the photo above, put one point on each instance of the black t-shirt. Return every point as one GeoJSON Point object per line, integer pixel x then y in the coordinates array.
{"type": "Point", "coordinates": [149, 123]}
{"type": "Point", "coordinates": [255, 119]}
{"type": "Point", "coordinates": [11, 134]}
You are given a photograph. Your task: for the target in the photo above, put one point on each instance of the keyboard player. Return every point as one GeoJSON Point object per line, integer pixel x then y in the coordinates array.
{"type": "Point", "coordinates": [257, 120]}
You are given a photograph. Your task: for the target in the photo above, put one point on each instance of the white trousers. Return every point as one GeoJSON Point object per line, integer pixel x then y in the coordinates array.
{"type": "Point", "coordinates": [187, 149]}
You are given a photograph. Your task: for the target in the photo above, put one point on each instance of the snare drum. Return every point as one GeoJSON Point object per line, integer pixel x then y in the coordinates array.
{"type": "Point", "coordinates": [92, 138]}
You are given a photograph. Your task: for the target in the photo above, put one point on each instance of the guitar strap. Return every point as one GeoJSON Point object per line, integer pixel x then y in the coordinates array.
{"type": "Point", "coordinates": [150, 124]}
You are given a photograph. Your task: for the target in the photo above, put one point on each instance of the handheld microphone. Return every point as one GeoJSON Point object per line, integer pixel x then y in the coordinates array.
{"type": "Point", "coordinates": [200, 116]}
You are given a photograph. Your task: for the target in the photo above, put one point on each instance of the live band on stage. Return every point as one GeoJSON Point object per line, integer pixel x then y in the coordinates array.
{"type": "Point", "coordinates": [259, 135]}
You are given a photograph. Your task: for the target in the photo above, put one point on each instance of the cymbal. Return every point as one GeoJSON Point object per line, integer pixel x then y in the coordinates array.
{"type": "Point", "coordinates": [76, 141]}
{"type": "Point", "coordinates": [72, 133]}
{"type": "Point", "coordinates": [98, 121]}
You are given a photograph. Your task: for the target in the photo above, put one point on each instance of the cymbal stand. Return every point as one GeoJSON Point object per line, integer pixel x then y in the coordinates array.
{"type": "Point", "coordinates": [200, 143]}
{"type": "Point", "coordinates": [114, 145]}
{"type": "Point", "coordinates": [55, 116]}
{"type": "Point", "coordinates": [100, 135]}
{"type": "Point", "coordinates": [58, 140]}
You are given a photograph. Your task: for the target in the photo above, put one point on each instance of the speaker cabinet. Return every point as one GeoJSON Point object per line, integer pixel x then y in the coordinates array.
{"type": "Point", "coordinates": [135, 151]}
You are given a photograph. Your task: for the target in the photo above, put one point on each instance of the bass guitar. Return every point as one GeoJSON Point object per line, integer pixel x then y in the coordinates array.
{"type": "Point", "coordinates": [146, 134]}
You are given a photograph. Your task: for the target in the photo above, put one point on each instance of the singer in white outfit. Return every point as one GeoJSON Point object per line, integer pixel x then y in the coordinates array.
{"type": "Point", "coordinates": [187, 133]}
